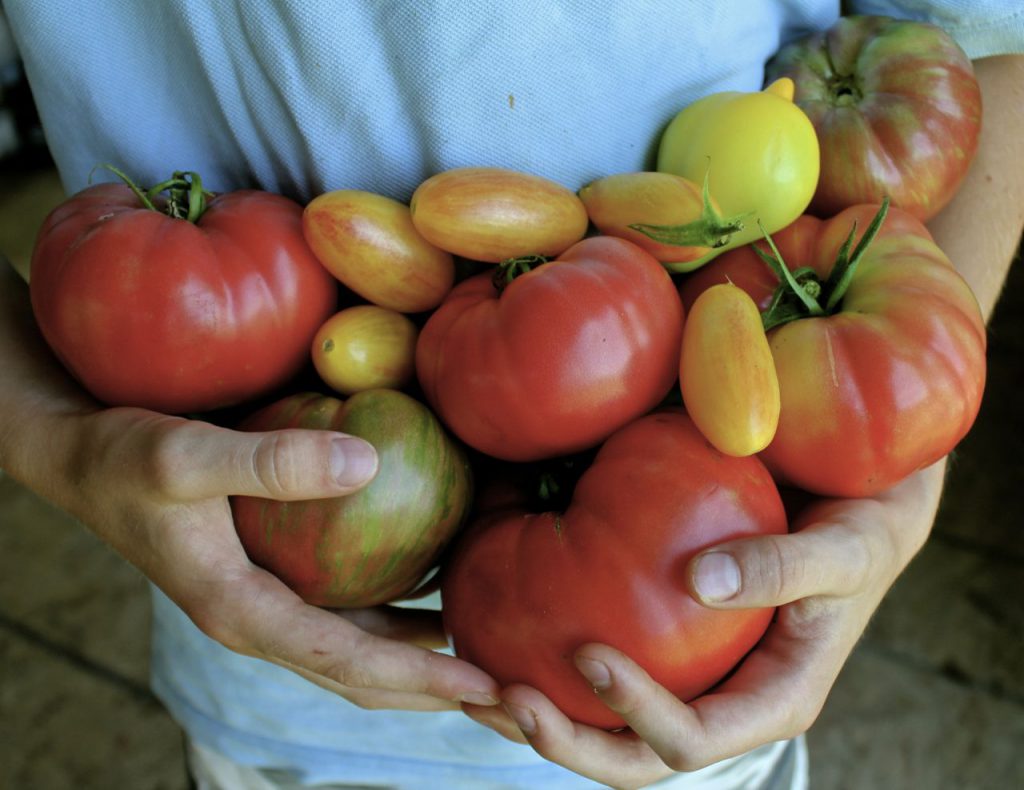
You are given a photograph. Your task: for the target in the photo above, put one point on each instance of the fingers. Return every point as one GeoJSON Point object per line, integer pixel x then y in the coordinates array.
{"type": "Point", "coordinates": [194, 460]}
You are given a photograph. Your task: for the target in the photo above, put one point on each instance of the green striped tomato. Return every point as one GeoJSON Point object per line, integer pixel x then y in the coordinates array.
{"type": "Point", "coordinates": [377, 544]}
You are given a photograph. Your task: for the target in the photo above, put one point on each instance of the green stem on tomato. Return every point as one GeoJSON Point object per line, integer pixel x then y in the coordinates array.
{"type": "Point", "coordinates": [510, 268]}
{"type": "Point", "coordinates": [186, 196]}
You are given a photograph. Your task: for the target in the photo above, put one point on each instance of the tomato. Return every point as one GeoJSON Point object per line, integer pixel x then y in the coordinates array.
{"type": "Point", "coordinates": [365, 347]}
{"type": "Point", "coordinates": [521, 591]}
{"type": "Point", "coordinates": [760, 154]}
{"type": "Point", "coordinates": [896, 107]}
{"type": "Point", "coordinates": [157, 311]}
{"type": "Point", "coordinates": [884, 382]}
{"type": "Point", "coordinates": [560, 358]}
{"type": "Point", "coordinates": [726, 371]}
{"type": "Point", "coordinates": [377, 544]}
{"type": "Point", "coordinates": [648, 206]}
{"type": "Point", "coordinates": [369, 243]}
{"type": "Point", "coordinates": [490, 214]}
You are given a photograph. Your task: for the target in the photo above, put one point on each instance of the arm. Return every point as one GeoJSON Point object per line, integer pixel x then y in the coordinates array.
{"type": "Point", "coordinates": [155, 488]}
{"type": "Point", "coordinates": [827, 576]}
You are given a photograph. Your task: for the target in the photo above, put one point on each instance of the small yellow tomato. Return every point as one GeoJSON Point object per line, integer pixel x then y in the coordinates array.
{"type": "Point", "coordinates": [760, 151]}
{"type": "Point", "coordinates": [726, 372]}
{"type": "Point", "coordinates": [365, 347]}
{"type": "Point", "coordinates": [491, 214]}
{"type": "Point", "coordinates": [369, 243]}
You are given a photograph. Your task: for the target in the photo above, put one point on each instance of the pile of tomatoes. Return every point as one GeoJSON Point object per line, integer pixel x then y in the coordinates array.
{"type": "Point", "coordinates": [654, 354]}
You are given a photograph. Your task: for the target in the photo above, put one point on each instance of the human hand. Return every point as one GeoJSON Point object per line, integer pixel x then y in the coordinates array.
{"type": "Point", "coordinates": [827, 576]}
{"type": "Point", "coordinates": [155, 488]}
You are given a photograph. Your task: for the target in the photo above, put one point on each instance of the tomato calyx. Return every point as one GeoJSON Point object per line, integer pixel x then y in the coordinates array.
{"type": "Point", "coordinates": [186, 198]}
{"type": "Point", "coordinates": [510, 268]}
{"type": "Point", "coordinates": [710, 230]}
{"type": "Point", "coordinates": [801, 293]}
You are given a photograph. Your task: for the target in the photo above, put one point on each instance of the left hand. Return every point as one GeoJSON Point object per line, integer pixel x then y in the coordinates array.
{"type": "Point", "coordinates": [827, 576]}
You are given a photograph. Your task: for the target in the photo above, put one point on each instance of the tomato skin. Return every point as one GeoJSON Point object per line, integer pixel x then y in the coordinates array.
{"type": "Point", "coordinates": [726, 371]}
{"type": "Point", "coordinates": [567, 353]}
{"type": "Point", "coordinates": [521, 591]}
{"type": "Point", "coordinates": [365, 347]}
{"type": "Point", "coordinates": [759, 152]}
{"type": "Point", "coordinates": [369, 243]}
{"type": "Point", "coordinates": [490, 214]}
{"type": "Point", "coordinates": [377, 544]}
{"type": "Point", "coordinates": [150, 311]}
{"type": "Point", "coordinates": [896, 107]}
{"type": "Point", "coordinates": [887, 385]}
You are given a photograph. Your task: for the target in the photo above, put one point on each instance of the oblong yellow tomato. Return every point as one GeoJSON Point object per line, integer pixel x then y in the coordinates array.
{"type": "Point", "coordinates": [726, 372]}
{"type": "Point", "coordinates": [760, 152]}
{"type": "Point", "coordinates": [646, 207]}
{"type": "Point", "coordinates": [491, 214]}
{"type": "Point", "coordinates": [365, 347]}
{"type": "Point", "coordinates": [368, 241]}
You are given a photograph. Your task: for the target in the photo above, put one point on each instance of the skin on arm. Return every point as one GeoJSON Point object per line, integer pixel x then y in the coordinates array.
{"type": "Point", "coordinates": [827, 576]}
{"type": "Point", "coordinates": [155, 488]}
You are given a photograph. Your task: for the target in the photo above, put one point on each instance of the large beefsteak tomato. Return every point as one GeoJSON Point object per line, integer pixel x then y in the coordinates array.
{"type": "Point", "coordinates": [178, 313]}
{"type": "Point", "coordinates": [521, 591]}
{"type": "Point", "coordinates": [561, 357]}
{"type": "Point", "coordinates": [377, 544]}
{"type": "Point", "coordinates": [896, 108]}
{"type": "Point", "coordinates": [886, 380]}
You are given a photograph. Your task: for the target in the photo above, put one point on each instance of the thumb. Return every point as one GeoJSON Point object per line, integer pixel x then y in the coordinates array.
{"type": "Point", "coordinates": [201, 461]}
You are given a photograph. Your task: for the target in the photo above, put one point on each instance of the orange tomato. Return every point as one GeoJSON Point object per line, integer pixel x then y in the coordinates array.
{"type": "Point", "coordinates": [726, 372]}
{"type": "Point", "coordinates": [365, 347]}
{"type": "Point", "coordinates": [492, 214]}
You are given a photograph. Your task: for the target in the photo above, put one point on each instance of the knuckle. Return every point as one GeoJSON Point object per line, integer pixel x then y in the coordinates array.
{"type": "Point", "coordinates": [167, 461]}
{"type": "Point", "coordinates": [680, 759]}
{"type": "Point", "coordinates": [275, 462]}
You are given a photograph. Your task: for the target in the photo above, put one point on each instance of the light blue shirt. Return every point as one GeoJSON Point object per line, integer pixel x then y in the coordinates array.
{"type": "Point", "coordinates": [305, 97]}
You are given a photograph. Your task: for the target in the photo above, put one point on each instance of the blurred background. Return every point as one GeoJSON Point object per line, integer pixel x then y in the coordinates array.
{"type": "Point", "coordinates": [933, 696]}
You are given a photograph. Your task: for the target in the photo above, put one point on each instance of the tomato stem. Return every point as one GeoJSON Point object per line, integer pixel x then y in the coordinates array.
{"type": "Point", "coordinates": [510, 268]}
{"type": "Point", "coordinates": [186, 196]}
{"type": "Point", "coordinates": [711, 229]}
{"type": "Point", "coordinates": [846, 264]}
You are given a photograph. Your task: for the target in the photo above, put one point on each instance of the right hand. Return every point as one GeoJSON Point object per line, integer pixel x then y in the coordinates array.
{"type": "Point", "coordinates": [156, 489]}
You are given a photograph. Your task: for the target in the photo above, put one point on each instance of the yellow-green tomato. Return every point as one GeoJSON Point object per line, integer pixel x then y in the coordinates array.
{"type": "Point", "coordinates": [727, 373]}
{"type": "Point", "coordinates": [759, 151]}
{"type": "Point", "coordinates": [368, 241]}
{"type": "Point", "coordinates": [365, 347]}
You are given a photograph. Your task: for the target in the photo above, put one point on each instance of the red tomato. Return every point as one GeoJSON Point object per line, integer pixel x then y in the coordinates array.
{"type": "Point", "coordinates": [891, 379]}
{"type": "Point", "coordinates": [559, 359]}
{"type": "Point", "coordinates": [896, 108]}
{"type": "Point", "coordinates": [149, 310]}
{"type": "Point", "coordinates": [521, 591]}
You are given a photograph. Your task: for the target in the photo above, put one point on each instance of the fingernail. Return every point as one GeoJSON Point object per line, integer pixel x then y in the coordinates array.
{"type": "Point", "coordinates": [478, 698]}
{"type": "Point", "coordinates": [716, 577]}
{"type": "Point", "coordinates": [525, 719]}
{"type": "Point", "coordinates": [596, 672]}
{"type": "Point", "coordinates": [353, 461]}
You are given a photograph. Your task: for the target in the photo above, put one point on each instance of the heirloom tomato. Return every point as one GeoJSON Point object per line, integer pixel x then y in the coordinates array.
{"type": "Point", "coordinates": [490, 214]}
{"type": "Point", "coordinates": [560, 357]}
{"type": "Point", "coordinates": [759, 152]}
{"type": "Point", "coordinates": [377, 544]}
{"type": "Point", "coordinates": [896, 107]}
{"type": "Point", "coordinates": [180, 304]}
{"type": "Point", "coordinates": [522, 591]}
{"type": "Point", "coordinates": [365, 347]}
{"type": "Point", "coordinates": [881, 364]}
{"type": "Point", "coordinates": [369, 243]}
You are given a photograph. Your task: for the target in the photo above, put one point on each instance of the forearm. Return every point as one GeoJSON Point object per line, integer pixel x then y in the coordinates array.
{"type": "Point", "coordinates": [981, 228]}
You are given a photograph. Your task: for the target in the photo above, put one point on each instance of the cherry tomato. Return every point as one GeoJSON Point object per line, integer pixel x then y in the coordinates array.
{"type": "Point", "coordinates": [365, 347]}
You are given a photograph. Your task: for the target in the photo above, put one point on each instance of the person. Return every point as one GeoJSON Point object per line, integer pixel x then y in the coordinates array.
{"type": "Point", "coordinates": [303, 97]}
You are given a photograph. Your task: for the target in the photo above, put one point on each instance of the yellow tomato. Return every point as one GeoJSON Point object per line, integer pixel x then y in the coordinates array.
{"type": "Point", "coordinates": [365, 347]}
{"type": "Point", "coordinates": [759, 151]}
{"type": "Point", "coordinates": [726, 372]}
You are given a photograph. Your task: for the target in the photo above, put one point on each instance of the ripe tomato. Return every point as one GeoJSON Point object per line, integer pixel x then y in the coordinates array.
{"type": "Point", "coordinates": [151, 310]}
{"type": "Point", "coordinates": [887, 381]}
{"type": "Point", "coordinates": [521, 591]}
{"type": "Point", "coordinates": [368, 242]}
{"type": "Point", "coordinates": [377, 544]}
{"type": "Point", "coordinates": [896, 107]}
{"type": "Point", "coordinates": [726, 371]}
{"type": "Point", "coordinates": [365, 347]}
{"type": "Point", "coordinates": [490, 214]}
{"type": "Point", "coordinates": [559, 359]}
{"type": "Point", "coordinates": [760, 154]}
